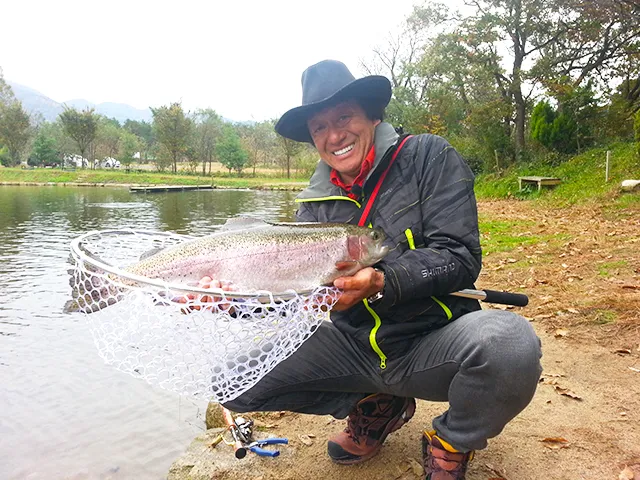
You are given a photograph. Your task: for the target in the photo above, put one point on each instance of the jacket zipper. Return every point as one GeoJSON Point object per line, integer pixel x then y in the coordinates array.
{"type": "Point", "coordinates": [412, 246]}
{"type": "Point", "coordinates": [372, 335]}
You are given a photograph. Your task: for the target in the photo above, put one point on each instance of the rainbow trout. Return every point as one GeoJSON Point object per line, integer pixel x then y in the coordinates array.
{"type": "Point", "coordinates": [257, 255]}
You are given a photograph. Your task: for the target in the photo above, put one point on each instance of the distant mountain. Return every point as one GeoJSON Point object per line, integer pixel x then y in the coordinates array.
{"type": "Point", "coordinates": [36, 102]}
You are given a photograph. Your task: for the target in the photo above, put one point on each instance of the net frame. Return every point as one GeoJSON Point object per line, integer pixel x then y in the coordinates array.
{"type": "Point", "coordinates": [201, 342]}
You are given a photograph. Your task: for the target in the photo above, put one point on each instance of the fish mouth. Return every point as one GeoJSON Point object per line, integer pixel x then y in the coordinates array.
{"type": "Point", "coordinates": [374, 255]}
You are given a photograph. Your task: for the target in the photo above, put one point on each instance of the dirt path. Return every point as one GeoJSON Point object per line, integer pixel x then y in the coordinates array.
{"type": "Point", "coordinates": [581, 269]}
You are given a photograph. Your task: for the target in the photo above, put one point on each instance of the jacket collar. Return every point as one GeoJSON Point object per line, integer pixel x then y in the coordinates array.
{"type": "Point", "coordinates": [320, 185]}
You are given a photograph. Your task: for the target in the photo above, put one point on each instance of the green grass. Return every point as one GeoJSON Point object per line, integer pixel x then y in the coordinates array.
{"type": "Point", "coordinates": [605, 269]}
{"type": "Point", "coordinates": [603, 317]}
{"type": "Point", "coordinates": [583, 178]}
{"type": "Point", "coordinates": [504, 236]}
{"type": "Point", "coordinates": [116, 177]}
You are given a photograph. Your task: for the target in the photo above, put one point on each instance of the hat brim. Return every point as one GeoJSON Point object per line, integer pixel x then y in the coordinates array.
{"type": "Point", "coordinates": [374, 89]}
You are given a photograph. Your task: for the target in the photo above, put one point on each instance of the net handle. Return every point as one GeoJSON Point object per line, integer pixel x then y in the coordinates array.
{"type": "Point", "coordinates": [260, 295]}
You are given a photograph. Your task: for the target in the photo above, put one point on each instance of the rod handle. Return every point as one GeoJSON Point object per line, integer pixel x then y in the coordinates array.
{"type": "Point", "coordinates": [506, 298]}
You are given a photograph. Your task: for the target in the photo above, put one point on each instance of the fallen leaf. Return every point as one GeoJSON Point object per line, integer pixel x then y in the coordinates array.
{"type": "Point", "coordinates": [561, 332]}
{"type": "Point", "coordinates": [555, 443]}
{"type": "Point", "coordinates": [545, 381]}
{"type": "Point", "coordinates": [572, 310]}
{"type": "Point", "coordinates": [633, 369]}
{"type": "Point", "coordinates": [306, 440]}
{"type": "Point", "coordinates": [626, 474]}
{"type": "Point", "coordinates": [497, 471]}
{"type": "Point", "coordinates": [631, 287]}
{"type": "Point", "coordinates": [543, 316]}
{"type": "Point", "coordinates": [566, 392]}
{"type": "Point", "coordinates": [512, 260]}
{"type": "Point", "coordinates": [557, 375]}
{"type": "Point", "coordinates": [626, 351]}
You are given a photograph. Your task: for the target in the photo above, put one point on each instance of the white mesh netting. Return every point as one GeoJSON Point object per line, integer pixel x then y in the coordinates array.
{"type": "Point", "coordinates": [193, 341]}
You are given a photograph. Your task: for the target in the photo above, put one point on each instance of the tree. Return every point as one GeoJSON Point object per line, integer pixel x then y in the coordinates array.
{"type": "Point", "coordinates": [130, 144]}
{"type": "Point", "coordinates": [44, 152]}
{"type": "Point", "coordinates": [6, 93]}
{"type": "Point", "coordinates": [173, 129]}
{"type": "Point", "coordinates": [15, 130]}
{"type": "Point", "coordinates": [527, 27]}
{"type": "Point", "coordinates": [229, 150]}
{"type": "Point", "coordinates": [82, 127]}
{"type": "Point", "coordinates": [144, 131]}
{"type": "Point", "coordinates": [637, 132]}
{"type": "Point", "coordinates": [208, 129]}
{"type": "Point", "coordinates": [541, 123]}
{"type": "Point", "coordinates": [258, 139]}
{"type": "Point", "coordinates": [400, 59]}
{"type": "Point", "coordinates": [108, 138]}
{"type": "Point", "coordinates": [289, 149]}
{"type": "Point", "coordinates": [600, 41]}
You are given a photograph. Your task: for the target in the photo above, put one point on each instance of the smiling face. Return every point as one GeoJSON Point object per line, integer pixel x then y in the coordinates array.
{"type": "Point", "coordinates": [343, 136]}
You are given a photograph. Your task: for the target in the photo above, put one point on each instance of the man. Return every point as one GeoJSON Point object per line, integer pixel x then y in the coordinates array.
{"type": "Point", "coordinates": [396, 333]}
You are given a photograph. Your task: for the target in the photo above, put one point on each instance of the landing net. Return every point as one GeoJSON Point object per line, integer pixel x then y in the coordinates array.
{"type": "Point", "coordinates": [193, 341]}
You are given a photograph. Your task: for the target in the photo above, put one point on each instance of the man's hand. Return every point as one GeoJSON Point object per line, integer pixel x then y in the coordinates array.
{"type": "Point", "coordinates": [363, 284]}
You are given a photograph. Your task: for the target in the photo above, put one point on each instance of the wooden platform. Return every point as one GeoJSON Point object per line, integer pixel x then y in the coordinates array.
{"type": "Point", "coordinates": [539, 181]}
{"type": "Point", "coordinates": [168, 188]}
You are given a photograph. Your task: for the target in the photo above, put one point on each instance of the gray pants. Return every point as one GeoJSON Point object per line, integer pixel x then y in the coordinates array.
{"type": "Point", "coordinates": [486, 364]}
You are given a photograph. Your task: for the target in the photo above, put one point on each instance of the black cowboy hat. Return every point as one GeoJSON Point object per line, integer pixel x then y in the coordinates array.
{"type": "Point", "coordinates": [325, 84]}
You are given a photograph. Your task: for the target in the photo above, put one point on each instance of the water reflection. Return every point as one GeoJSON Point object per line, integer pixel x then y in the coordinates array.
{"type": "Point", "coordinates": [64, 413]}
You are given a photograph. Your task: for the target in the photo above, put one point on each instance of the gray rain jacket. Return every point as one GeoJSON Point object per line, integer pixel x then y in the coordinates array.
{"type": "Point", "coordinates": [427, 209]}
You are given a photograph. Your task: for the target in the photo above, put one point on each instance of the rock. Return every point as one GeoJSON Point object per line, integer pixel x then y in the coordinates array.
{"type": "Point", "coordinates": [631, 185]}
{"type": "Point", "coordinates": [306, 439]}
{"type": "Point", "coordinates": [214, 418]}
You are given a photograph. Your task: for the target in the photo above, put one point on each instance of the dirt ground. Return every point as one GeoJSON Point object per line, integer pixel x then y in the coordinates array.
{"type": "Point", "coordinates": [580, 267]}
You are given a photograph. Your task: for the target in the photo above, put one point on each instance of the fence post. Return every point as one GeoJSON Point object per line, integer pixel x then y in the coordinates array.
{"type": "Point", "coordinates": [606, 174]}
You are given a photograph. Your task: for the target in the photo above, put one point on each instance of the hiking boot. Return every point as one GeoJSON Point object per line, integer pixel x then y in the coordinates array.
{"type": "Point", "coordinates": [368, 425]}
{"type": "Point", "coordinates": [441, 461]}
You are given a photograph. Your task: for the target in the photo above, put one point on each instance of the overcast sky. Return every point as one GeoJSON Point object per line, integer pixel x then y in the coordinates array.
{"type": "Point", "coordinates": [241, 58]}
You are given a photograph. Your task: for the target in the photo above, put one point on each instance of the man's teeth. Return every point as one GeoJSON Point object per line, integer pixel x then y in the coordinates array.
{"type": "Point", "coordinates": [344, 150]}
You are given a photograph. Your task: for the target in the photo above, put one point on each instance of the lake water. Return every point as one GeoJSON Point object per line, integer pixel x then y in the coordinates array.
{"type": "Point", "coordinates": [64, 413]}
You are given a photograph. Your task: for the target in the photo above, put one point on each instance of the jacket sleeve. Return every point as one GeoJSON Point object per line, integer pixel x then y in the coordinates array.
{"type": "Point", "coordinates": [448, 257]}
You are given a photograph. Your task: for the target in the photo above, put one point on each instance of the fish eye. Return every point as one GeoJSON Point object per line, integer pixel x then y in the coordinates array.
{"type": "Point", "coordinates": [375, 235]}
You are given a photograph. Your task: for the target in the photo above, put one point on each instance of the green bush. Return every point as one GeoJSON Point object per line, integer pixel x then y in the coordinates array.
{"type": "Point", "coordinates": [541, 123]}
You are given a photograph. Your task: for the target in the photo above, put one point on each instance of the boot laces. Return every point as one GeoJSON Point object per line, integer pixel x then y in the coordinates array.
{"type": "Point", "coordinates": [357, 427]}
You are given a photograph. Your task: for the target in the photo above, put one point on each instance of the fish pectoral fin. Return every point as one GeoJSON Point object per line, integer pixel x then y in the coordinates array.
{"type": "Point", "coordinates": [345, 265]}
{"type": "Point", "coordinates": [242, 223]}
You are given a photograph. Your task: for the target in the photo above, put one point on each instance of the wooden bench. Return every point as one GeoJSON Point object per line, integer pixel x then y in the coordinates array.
{"type": "Point", "coordinates": [539, 181]}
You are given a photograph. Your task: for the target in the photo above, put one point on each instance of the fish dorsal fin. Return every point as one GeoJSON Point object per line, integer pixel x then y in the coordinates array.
{"type": "Point", "coordinates": [243, 223]}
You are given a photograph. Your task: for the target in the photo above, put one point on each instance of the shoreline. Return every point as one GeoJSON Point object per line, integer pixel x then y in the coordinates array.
{"type": "Point", "coordinates": [279, 187]}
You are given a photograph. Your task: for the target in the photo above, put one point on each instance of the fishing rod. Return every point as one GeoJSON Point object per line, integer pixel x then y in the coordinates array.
{"type": "Point", "coordinates": [494, 296]}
